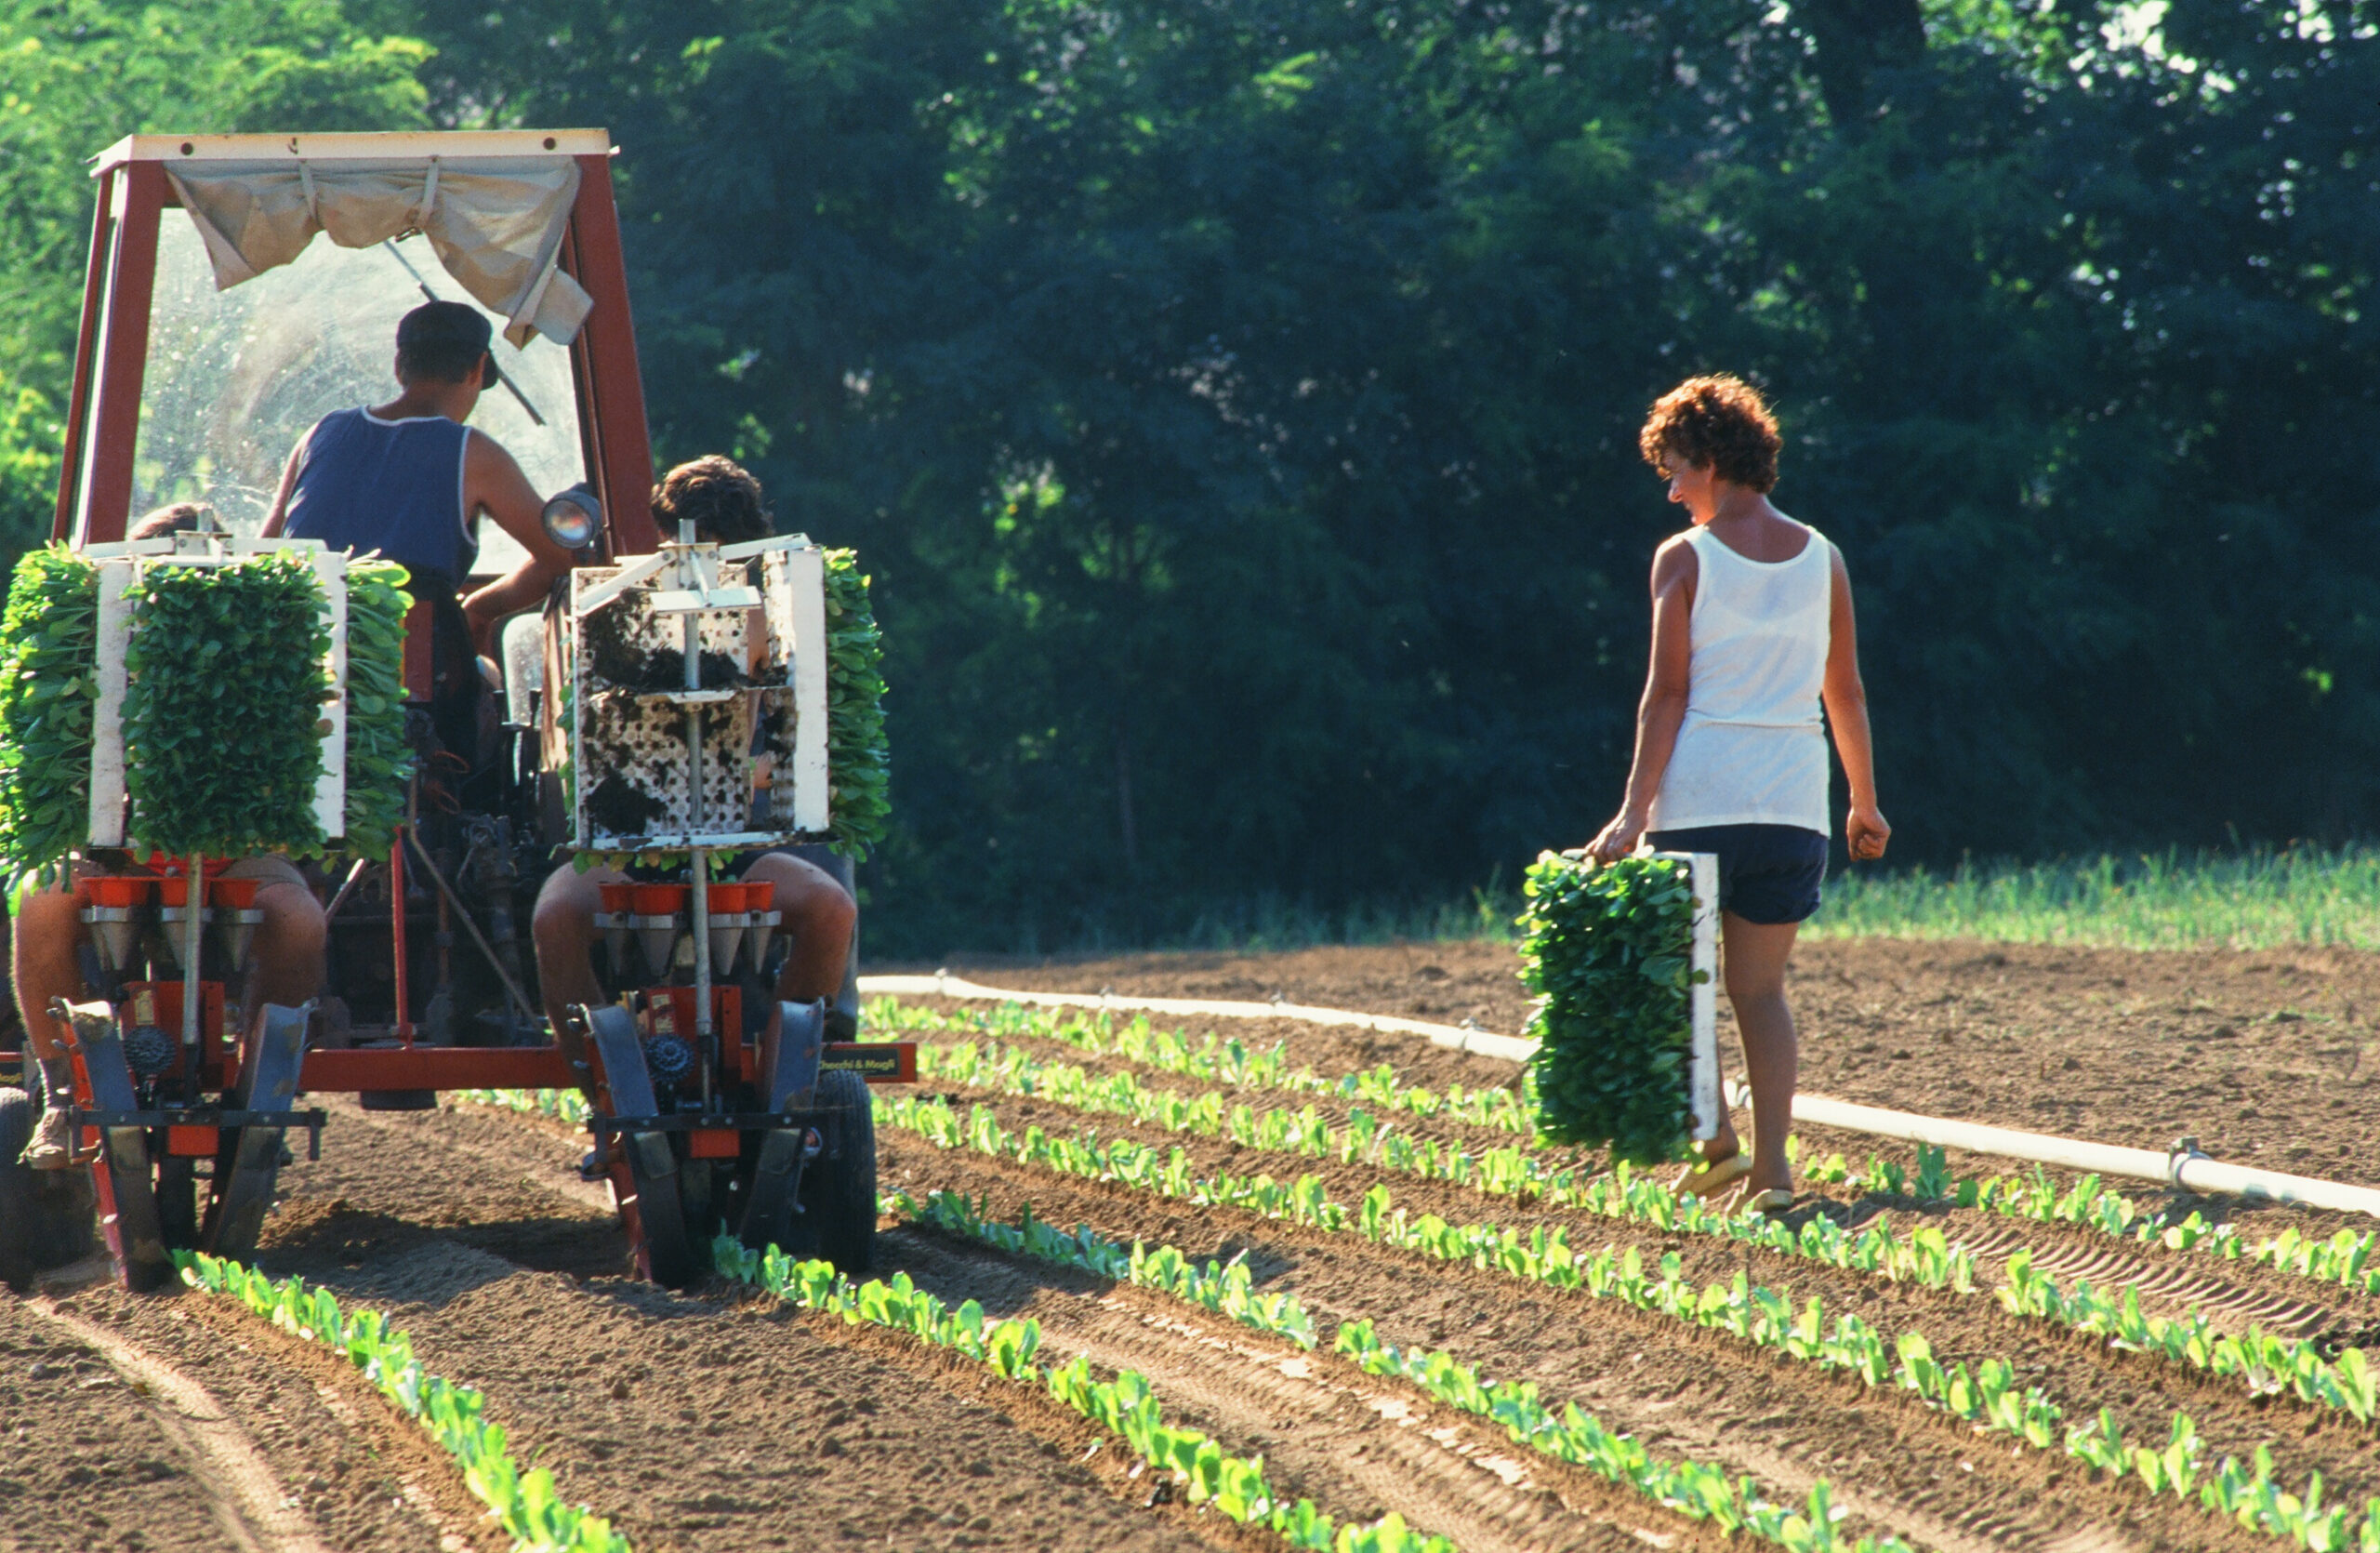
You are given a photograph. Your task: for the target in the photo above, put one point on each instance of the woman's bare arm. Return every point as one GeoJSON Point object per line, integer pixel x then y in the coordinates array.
{"type": "Point", "coordinates": [1865, 831]}
{"type": "Point", "coordinates": [1662, 709]}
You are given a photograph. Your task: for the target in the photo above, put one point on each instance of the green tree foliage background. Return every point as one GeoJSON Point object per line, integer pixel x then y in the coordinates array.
{"type": "Point", "coordinates": [1235, 402]}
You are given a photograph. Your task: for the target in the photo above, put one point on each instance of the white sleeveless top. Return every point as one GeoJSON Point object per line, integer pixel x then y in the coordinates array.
{"type": "Point", "coordinates": [1752, 750]}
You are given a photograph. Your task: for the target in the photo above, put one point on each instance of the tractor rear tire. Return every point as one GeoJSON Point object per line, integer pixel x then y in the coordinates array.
{"type": "Point", "coordinates": [45, 1215]}
{"type": "Point", "coordinates": [841, 1183]}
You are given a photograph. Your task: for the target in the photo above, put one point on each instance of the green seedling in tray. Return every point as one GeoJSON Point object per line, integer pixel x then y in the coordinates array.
{"type": "Point", "coordinates": [48, 642]}
{"type": "Point", "coordinates": [1610, 948]}
{"type": "Point", "coordinates": [378, 759]}
{"type": "Point", "coordinates": [858, 759]}
{"type": "Point", "coordinates": [223, 707]}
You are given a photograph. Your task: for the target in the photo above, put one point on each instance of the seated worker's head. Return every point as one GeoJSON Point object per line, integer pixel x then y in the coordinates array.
{"type": "Point", "coordinates": [182, 517]}
{"type": "Point", "coordinates": [444, 346]}
{"type": "Point", "coordinates": [719, 495]}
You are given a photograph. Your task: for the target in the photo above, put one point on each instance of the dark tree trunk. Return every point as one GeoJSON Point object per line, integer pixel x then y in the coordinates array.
{"type": "Point", "coordinates": [1854, 38]}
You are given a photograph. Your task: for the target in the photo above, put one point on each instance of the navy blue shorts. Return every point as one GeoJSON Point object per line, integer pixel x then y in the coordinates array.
{"type": "Point", "coordinates": [1768, 873]}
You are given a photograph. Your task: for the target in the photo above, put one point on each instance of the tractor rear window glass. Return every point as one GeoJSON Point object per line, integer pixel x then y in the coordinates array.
{"type": "Point", "coordinates": [235, 377]}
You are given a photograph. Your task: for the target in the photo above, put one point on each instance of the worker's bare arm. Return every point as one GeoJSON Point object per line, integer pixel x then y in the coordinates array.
{"type": "Point", "coordinates": [280, 515]}
{"type": "Point", "coordinates": [493, 484]}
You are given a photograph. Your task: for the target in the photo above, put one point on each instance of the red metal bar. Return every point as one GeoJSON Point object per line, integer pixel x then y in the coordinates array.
{"type": "Point", "coordinates": [359, 1069]}
{"type": "Point", "coordinates": [608, 339]}
{"type": "Point", "coordinates": [86, 341]}
{"type": "Point", "coordinates": [397, 936]}
{"type": "Point", "coordinates": [124, 355]}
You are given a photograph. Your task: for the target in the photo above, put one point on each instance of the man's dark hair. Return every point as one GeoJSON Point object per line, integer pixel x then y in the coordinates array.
{"type": "Point", "coordinates": [720, 495]}
{"type": "Point", "coordinates": [442, 341]}
{"type": "Point", "coordinates": [180, 518]}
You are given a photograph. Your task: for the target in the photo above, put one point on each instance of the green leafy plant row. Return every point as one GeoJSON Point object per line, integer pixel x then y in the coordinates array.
{"type": "Point", "coordinates": [1924, 1256]}
{"type": "Point", "coordinates": [1214, 1060]}
{"type": "Point", "coordinates": [1699, 1491]}
{"type": "Point", "coordinates": [1234, 1486]}
{"type": "Point", "coordinates": [49, 642]}
{"type": "Point", "coordinates": [2344, 1259]}
{"type": "Point", "coordinates": [2268, 1365]}
{"type": "Point", "coordinates": [378, 759]}
{"type": "Point", "coordinates": [453, 1415]}
{"type": "Point", "coordinates": [1608, 948]}
{"type": "Point", "coordinates": [1988, 1395]}
{"type": "Point", "coordinates": [859, 760]}
{"type": "Point", "coordinates": [2265, 1364]}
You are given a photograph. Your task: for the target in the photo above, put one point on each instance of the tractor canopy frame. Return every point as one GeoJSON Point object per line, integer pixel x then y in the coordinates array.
{"type": "Point", "coordinates": [96, 484]}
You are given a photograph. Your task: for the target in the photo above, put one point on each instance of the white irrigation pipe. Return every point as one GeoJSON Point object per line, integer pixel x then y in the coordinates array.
{"type": "Point", "coordinates": [2182, 1167]}
{"type": "Point", "coordinates": [1463, 1038]}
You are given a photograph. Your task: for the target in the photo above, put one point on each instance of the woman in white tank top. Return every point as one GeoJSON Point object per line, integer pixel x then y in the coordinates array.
{"type": "Point", "coordinates": [1752, 634]}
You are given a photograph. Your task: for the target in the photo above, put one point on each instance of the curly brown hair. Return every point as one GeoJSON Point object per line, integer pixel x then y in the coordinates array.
{"type": "Point", "coordinates": [720, 495]}
{"type": "Point", "coordinates": [1721, 422]}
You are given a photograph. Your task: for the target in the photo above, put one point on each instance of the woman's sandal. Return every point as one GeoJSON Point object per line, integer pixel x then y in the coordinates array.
{"type": "Point", "coordinates": [1714, 1175]}
{"type": "Point", "coordinates": [1776, 1200]}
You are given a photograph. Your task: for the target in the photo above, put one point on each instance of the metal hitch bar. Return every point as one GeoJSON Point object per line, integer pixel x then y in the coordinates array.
{"type": "Point", "coordinates": [310, 1119]}
{"type": "Point", "coordinates": [688, 1122]}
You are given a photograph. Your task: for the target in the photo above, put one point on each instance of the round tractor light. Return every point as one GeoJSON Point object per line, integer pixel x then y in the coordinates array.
{"type": "Point", "coordinates": [574, 518]}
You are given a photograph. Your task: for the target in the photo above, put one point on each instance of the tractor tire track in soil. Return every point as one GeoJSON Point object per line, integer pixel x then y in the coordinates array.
{"type": "Point", "coordinates": [712, 1425]}
{"type": "Point", "coordinates": [1704, 1395]}
{"type": "Point", "coordinates": [189, 1424]}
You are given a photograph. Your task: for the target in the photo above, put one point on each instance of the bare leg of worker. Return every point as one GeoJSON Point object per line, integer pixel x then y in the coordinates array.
{"type": "Point", "coordinates": [1754, 968]}
{"type": "Point", "coordinates": [814, 911]}
{"type": "Point", "coordinates": [48, 926]}
{"type": "Point", "coordinates": [563, 927]}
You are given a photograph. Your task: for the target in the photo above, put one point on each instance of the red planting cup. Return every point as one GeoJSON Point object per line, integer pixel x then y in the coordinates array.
{"type": "Point", "coordinates": [174, 891]}
{"type": "Point", "coordinates": [236, 893]}
{"type": "Point", "coordinates": [657, 900]}
{"type": "Point", "coordinates": [616, 897]}
{"type": "Point", "coordinates": [760, 894]}
{"type": "Point", "coordinates": [124, 890]}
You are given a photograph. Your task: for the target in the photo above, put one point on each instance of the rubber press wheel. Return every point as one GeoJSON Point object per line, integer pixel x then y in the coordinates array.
{"type": "Point", "coordinates": [45, 1215]}
{"type": "Point", "coordinates": [842, 1181]}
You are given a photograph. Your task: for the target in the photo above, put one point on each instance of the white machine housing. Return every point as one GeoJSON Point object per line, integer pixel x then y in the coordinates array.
{"type": "Point", "coordinates": [679, 757]}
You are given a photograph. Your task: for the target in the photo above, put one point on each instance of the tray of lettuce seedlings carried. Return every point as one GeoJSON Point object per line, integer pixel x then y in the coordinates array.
{"type": "Point", "coordinates": [189, 697]}
{"type": "Point", "coordinates": [1622, 956]}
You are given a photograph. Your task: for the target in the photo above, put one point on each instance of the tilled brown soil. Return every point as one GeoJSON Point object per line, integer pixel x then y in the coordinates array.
{"type": "Point", "coordinates": [1514, 1329]}
{"type": "Point", "coordinates": [2269, 1058]}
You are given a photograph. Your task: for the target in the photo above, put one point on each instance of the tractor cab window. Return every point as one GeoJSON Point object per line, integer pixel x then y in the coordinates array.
{"type": "Point", "coordinates": [235, 377]}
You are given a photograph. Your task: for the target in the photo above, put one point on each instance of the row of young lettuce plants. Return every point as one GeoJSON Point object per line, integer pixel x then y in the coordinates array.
{"type": "Point", "coordinates": [1987, 1397]}
{"type": "Point", "coordinates": [1215, 1060]}
{"type": "Point", "coordinates": [1127, 1406]}
{"type": "Point", "coordinates": [523, 1503]}
{"type": "Point", "coordinates": [1698, 1490]}
{"type": "Point", "coordinates": [2345, 1258]}
{"type": "Point", "coordinates": [2264, 1364]}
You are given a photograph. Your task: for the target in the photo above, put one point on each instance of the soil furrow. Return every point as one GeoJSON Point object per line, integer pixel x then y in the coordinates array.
{"type": "Point", "coordinates": [695, 1423]}
{"type": "Point", "coordinates": [1319, 1422]}
{"type": "Point", "coordinates": [1914, 1459]}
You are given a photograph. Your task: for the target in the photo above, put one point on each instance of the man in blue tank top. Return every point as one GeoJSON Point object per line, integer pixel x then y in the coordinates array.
{"type": "Point", "coordinates": [407, 478]}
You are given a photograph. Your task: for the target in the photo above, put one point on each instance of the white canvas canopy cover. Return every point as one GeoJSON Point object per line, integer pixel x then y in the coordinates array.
{"type": "Point", "coordinates": [495, 222]}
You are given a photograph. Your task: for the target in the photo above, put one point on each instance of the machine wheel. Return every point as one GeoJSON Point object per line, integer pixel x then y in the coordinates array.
{"type": "Point", "coordinates": [645, 1169]}
{"type": "Point", "coordinates": [842, 1182]}
{"type": "Point", "coordinates": [20, 1210]}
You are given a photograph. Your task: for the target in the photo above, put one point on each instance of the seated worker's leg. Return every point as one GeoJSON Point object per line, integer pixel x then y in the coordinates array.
{"type": "Point", "coordinates": [48, 929]}
{"type": "Point", "coordinates": [818, 917]}
{"type": "Point", "coordinates": [563, 926]}
{"type": "Point", "coordinates": [289, 941]}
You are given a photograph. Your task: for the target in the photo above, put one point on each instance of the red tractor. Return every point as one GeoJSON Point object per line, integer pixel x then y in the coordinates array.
{"type": "Point", "coordinates": [208, 344]}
